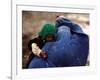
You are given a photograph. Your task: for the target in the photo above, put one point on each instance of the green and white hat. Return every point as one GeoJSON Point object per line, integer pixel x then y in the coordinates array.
{"type": "Point", "coordinates": [47, 29]}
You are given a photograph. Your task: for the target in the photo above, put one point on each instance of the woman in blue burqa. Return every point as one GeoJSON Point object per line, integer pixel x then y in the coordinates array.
{"type": "Point", "coordinates": [70, 48]}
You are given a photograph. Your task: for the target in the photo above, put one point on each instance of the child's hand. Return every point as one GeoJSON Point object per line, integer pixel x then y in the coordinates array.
{"type": "Point", "coordinates": [36, 50]}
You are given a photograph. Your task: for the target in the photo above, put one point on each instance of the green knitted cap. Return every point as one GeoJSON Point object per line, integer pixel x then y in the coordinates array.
{"type": "Point", "coordinates": [47, 29]}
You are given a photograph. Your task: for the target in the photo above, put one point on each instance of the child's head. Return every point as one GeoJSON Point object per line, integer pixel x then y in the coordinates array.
{"type": "Point", "coordinates": [48, 32]}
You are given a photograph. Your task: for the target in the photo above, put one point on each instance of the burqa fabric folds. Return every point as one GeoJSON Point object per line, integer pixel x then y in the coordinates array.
{"type": "Point", "coordinates": [71, 47]}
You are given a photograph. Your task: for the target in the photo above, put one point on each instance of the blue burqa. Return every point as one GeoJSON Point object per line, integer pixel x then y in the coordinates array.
{"type": "Point", "coordinates": [71, 47]}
